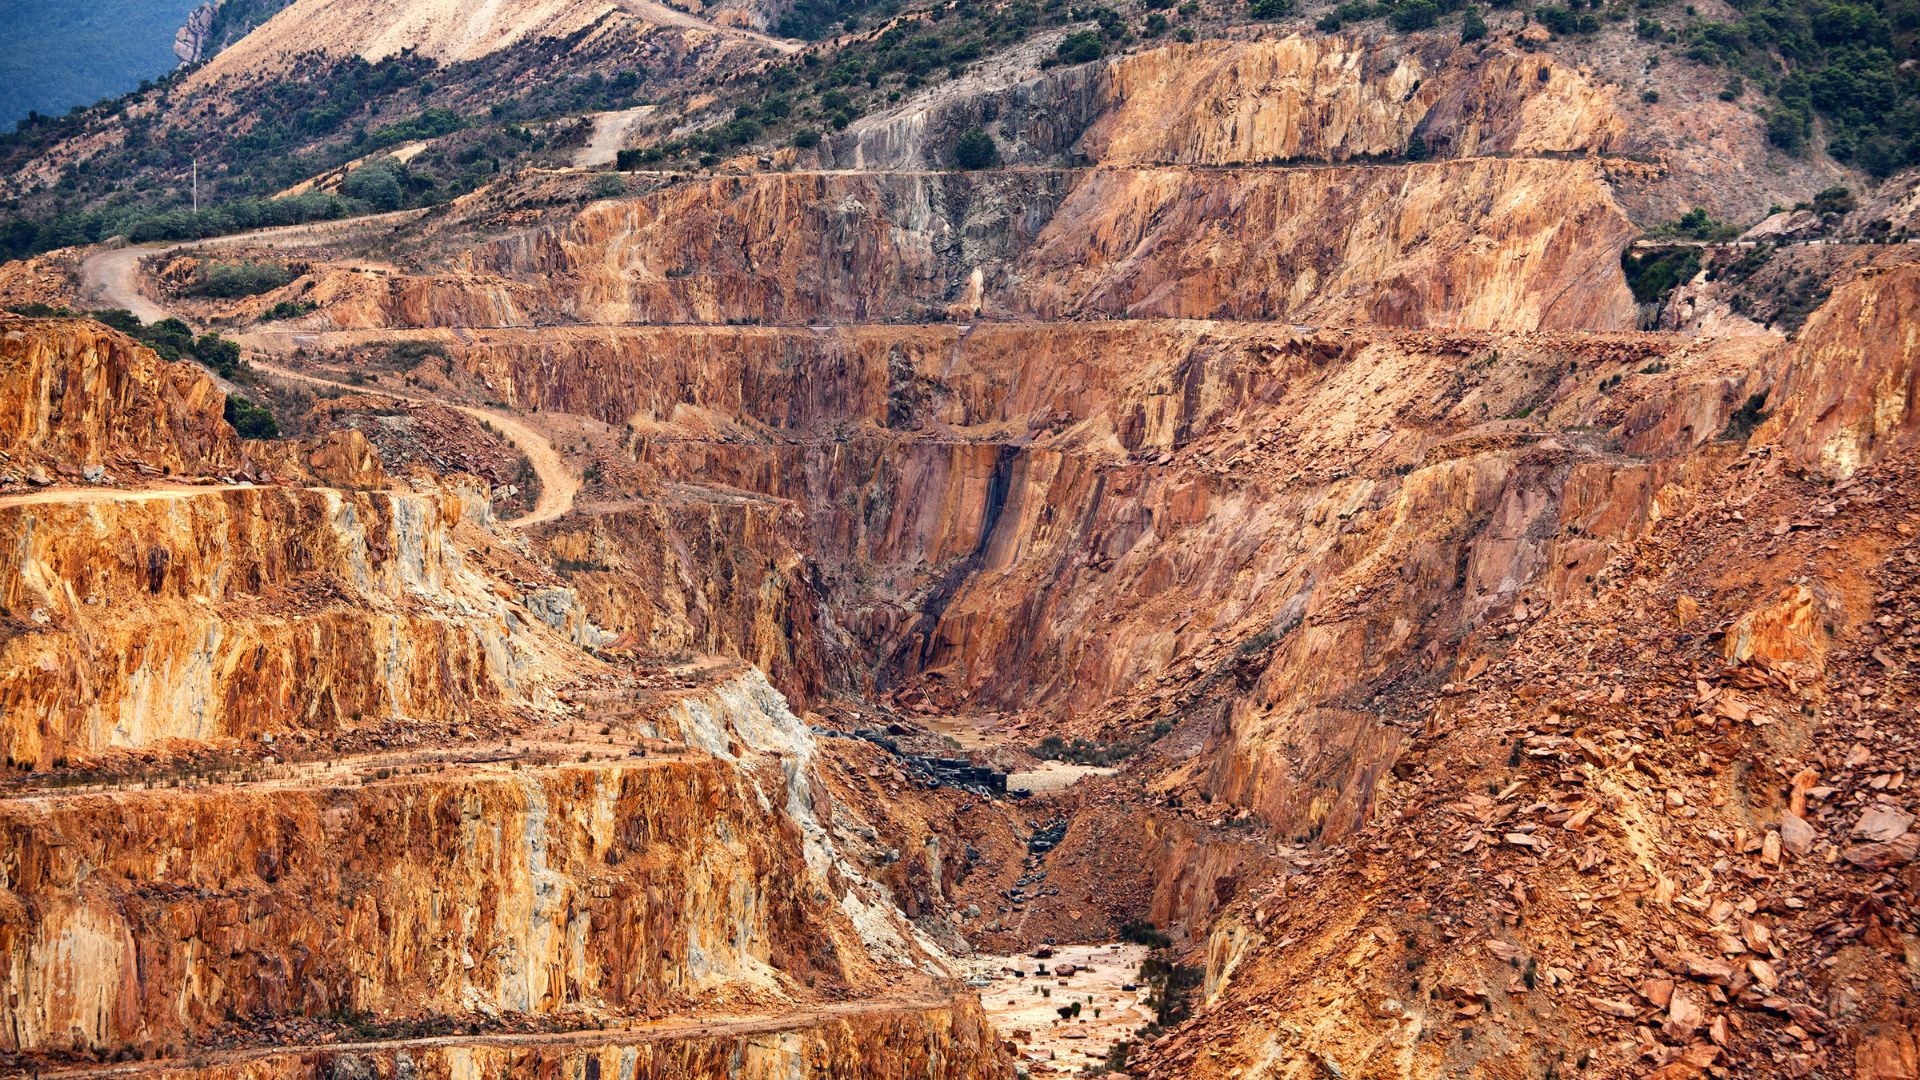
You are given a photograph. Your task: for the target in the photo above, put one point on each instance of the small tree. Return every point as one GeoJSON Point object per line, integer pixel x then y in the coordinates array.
{"type": "Point", "coordinates": [1270, 9]}
{"type": "Point", "coordinates": [377, 183]}
{"type": "Point", "coordinates": [250, 421]}
{"type": "Point", "coordinates": [1473, 26]}
{"type": "Point", "coordinates": [976, 150]}
{"type": "Point", "coordinates": [1415, 15]}
{"type": "Point", "coordinates": [1081, 47]}
{"type": "Point", "coordinates": [1788, 127]}
{"type": "Point", "coordinates": [218, 353]}
{"type": "Point", "coordinates": [1835, 200]}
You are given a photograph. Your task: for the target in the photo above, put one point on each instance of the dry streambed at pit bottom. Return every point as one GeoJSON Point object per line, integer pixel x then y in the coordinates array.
{"type": "Point", "coordinates": [1050, 776]}
{"type": "Point", "coordinates": [1024, 1005]}
{"type": "Point", "coordinates": [974, 734]}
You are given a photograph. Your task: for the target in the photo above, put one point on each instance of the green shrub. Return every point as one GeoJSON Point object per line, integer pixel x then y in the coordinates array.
{"type": "Point", "coordinates": [1653, 275]}
{"type": "Point", "coordinates": [379, 184]}
{"type": "Point", "coordinates": [38, 310]}
{"type": "Point", "coordinates": [1473, 25]}
{"type": "Point", "coordinates": [1788, 127]}
{"type": "Point", "coordinates": [976, 150]}
{"type": "Point", "coordinates": [1564, 21]}
{"type": "Point", "coordinates": [1270, 9]}
{"type": "Point", "coordinates": [1082, 752]}
{"type": "Point", "coordinates": [430, 124]}
{"type": "Point", "coordinates": [1415, 15]}
{"type": "Point", "coordinates": [218, 353]}
{"type": "Point", "coordinates": [171, 338]}
{"type": "Point", "coordinates": [1841, 61]}
{"type": "Point", "coordinates": [1350, 11]}
{"type": "Point", "coordinates": [407, 355]}
{"type": "Point", "coordinates": [1145, 933]}
{"type": "Point", "coordinates": [1835, 200]}
{"type": "Point", "coordinates": [1173, 985]}
{"type": "Point", "coordinates": [174, 340]}
{"type": "Point", "coordinates": [1081, 48]}
{"type": "Point", "coordinates": [229, 280]}
{"type": "Point", "coordinates": [1747, 417]}
{"type": "Point", "coordinates": [251, 421]}
{"type": "Point", "coordinates": [288, 309]}
{"type": "Point", "coordinates": [1697, 224]}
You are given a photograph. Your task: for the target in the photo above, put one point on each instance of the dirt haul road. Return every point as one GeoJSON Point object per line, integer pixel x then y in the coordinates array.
{"type": "Point", "coordinates": [559, 487]}
{"type": "Point", "coordinates": [112, 279]}
{"type": "Point", "coordinates": [662, 1031]}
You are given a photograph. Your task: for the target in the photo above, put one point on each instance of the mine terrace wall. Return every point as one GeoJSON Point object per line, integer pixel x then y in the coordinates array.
{"type": "Point", "coordinates": [145, 919]}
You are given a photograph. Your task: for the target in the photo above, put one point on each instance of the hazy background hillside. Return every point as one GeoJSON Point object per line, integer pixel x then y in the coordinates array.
{"type": "Point", "coordinates": [64, 54]}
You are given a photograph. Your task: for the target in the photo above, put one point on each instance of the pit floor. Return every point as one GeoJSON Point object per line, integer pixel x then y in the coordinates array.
{"type": "Point", "coordinates": [1049, 1045]}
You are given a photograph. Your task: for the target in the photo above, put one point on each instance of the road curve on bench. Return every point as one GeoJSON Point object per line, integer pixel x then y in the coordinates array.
{"type": "Point", "coordinates": [654, 11]}
{"type": "Point", "coordinates": [647, 1032]}
{"type": "Point", "coordinates": [559, 487]}
{"type": "Point", "coordinates": [163, 492]}
{"type": "Point", "coordinates": [112, 277]}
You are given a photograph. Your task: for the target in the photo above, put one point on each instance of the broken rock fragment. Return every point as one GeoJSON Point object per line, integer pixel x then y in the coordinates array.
{"type": "Point", "coordinates": [1882, 823]}
{"type": "Point", "coordinates": [1796, 835]}
{"type": "Point", "coordinates": [1884, 856]}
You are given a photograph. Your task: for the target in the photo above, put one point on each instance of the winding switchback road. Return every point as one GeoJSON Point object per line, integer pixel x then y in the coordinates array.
{"type": "Point", "coordinates": [558, 485]}
{"type": "Point", "coordinates": [654, 11]}
{"type": "Point", "coordinates": [112, 278]}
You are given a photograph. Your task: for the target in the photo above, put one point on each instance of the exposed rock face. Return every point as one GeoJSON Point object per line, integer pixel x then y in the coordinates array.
{"type": "Point", "coordinates": [48, 279]}
{"type": "Point", "coordinates": [1501, 691]}
{"type": "Point", "coordinates": [1521, 768]}
{"type": "Point", "coordinates": [627, 889]}
{"type": "Point", "coordinates": [346, 459]}
{"type": "Point", "coordinates": [1297, 98]}
{"type": "Point", "coordinates": [86, 395]}
{"type": "Point", "coordinates": [191, 42]}
{"type": "Point", "coordinates": [1132, 463]}
{"type": "Point", "coordinates": [1339, 246]}
{"type": "Point", "coordinates": [278, 694]}
{"type": "Point", "coordinates": [448, 30]}
{"type": "Point", "coordinates": [938, 1043]}
{"type": "Point", "coordinates": [705, 576]}
{"type": "Point", "coordinates": [1853, 395]}
{"type": "Point", "coordinates": [209, 614]}
{"type": "Point", "coordinates": [1517, 243]}
{"type": "Point", "coordinates": [1487, 243]}
{"type": "Point", "coordinates": [1360, 572]}
{"type": "Point", "coordinates": [225, 611]}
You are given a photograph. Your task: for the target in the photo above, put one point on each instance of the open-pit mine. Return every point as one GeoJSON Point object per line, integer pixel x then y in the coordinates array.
{"type": "Point", "coordinates": [1280, 548]}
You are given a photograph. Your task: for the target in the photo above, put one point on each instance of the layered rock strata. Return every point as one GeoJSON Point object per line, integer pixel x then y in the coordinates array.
{"type": "Point", "coordinates": [1296, 98]}
{"type": "Point", "coordinates": [304, 758]}
{"type": "Point", "coordinates": [1485, 243]}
